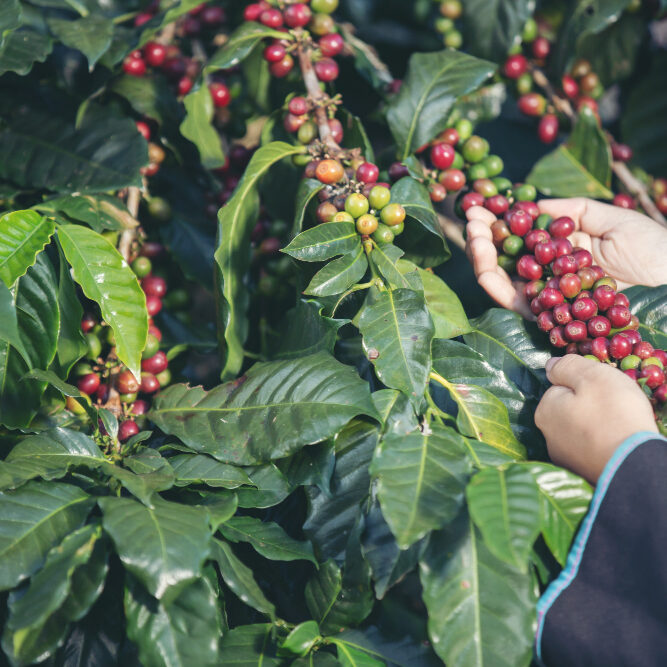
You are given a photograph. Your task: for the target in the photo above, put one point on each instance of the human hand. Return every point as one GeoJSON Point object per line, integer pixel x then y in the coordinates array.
{"type": "Point", "coordinates": [629, 246]}
{"type": "Point", "coordinates": [588, 413]}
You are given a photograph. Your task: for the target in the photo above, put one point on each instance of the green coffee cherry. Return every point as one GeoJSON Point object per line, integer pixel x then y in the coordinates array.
{"type": "Point", "coordinates": [493, 164]}
{"type": "Point", "coordinates": [383, 234]}
{"type": "Point", "coordinates": [507, 263]}
{"type": "Point", "coordinates": [379, 197]}
{"type": "Point", "coordinates": [475, 149]}
{"type": "Point", "coordinates": [513, 245]}
{"type": "Point", "coordinates": [525, 192]}
{"type": "Point", "coordinates": [465, 128]}
{"type": "Point", "coordinates": [94, 346]}
{"type": "Point", "coordinates": [543, 221]}
{"type": "Point", "coordinates": [356, 205]}
{"type": "Point", "coordinates": [477, 172]}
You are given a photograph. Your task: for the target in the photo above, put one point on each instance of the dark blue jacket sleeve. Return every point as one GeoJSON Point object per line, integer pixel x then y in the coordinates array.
{"type": "Point", "coordinates": [609, 605]}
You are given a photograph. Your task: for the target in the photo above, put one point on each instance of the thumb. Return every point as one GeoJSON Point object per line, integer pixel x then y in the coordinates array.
{"type": "Point", "coordinates": [570, 371]}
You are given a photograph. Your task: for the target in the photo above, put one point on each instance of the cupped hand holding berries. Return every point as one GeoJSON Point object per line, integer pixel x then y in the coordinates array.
{"type": "Point", "coordinates": [588, 413]}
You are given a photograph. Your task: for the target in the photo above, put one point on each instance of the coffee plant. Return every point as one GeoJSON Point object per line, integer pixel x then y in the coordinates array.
{"type": "Point", "coordinates": [254, 408]}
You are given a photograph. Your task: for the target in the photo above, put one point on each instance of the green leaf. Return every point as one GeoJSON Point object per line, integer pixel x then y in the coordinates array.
{"type": "Point", "coordinates": [21, 49]}
{"type": "Point", "coordinates": [350, 656]}
{"type": "Point", "coordinates": [250, 646]}
{"type": "Point", "coordinates": [397, 331]}
{"type": "Point", "coordinates": [274, 410]}
{"type": "Point", "coordinates": [9, 327]}
{"type": "Point", "coordinates": [505, 505]}
{"type": "Point", "coordinates": [324, 242]}
{"type": "Point", "coordinates": [270, 487]}
{"type": "Point", "coordinates": [385, 257]}
{"type": "Point", "coordinates": [301, 639]}
{"type": "Point", "coordinates": [339, 274]}
{"type": "Point", "coordinates": [483, 417]}
{"type": "Point", "coordinates": [267, 538]}
{"type": "Point", "coordinates": [100, 212]}
{"type": "Point", "coordinates": [239, 45]}
{"type": "Point", "coordinates": [649, 304]}
{"type": "Point", "coordinates": [421, 481]}
{"type": "Point", "coordinates": [493, 28]}
{"type": "Point", "coordinates": [564, 502]}
{"type": "Point", "coordinates": [37, 316]}
{"type": "Point", "coordinates": [308, 189]}
{"type": "Point", "coordinates": [106, 278]}
{"type": "Point", "coordinates": [164, 546]}
{"type": "Point", "coordinates": [579, 168]}
{"type": "Point", "coordinates": [170, 12]}
{"type": "Point", "coordinates": [150, 96]}
{"type": "Point", "coordinates": [240, 579]}
{"type": "Point", "coordinates": [397, 413]}
{"type": "Point", "coordinates": [23, 235]}
{"type": "Point", "coordinates": [447, 313]}
{"type": "Point", "coordinates": [481, 611]}
{"type": "Point", "coordinates": [105, 154]}
{"type": "Point", "coordinates": [354, 134]}
{"type": "Point", "coordinates": [583, 18]}
{"type": "Point", "coordinates": [198, 128]}
{"type": "Point", "coordinates": [200, 469]}
{"type": "Point", "coordinates": [183, 633]}
{"type": "Point", "coordinates": [333, 604]}
{"type": "Point", "coordinates": [33, 519]}
{"type": "Point", "coordinates": [433, 83]}
{"type": "Point", "coordinates": [235, 223]}
{"type": "Point", "coordinates": [91, 35]}
{"type": "Point", "coordinates": [312, 466]}
{"type": "Point", "coordinates": [10, 16]}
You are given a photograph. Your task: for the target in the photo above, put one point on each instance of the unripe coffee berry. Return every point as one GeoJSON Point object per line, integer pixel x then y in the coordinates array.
{"type": "Point", "coordinates": [570, 285]}
{"type": "Point", "coordinates": [587, 277]}
{"type": "Point", "coordinates": [367, 224]}
{"type": "Point", "coordinates": [383, 234]}
{"type": "Point", "coordinates": [513, 245]}
{"type": "Point", "coordinates": [379, 197]}
{"type": "Point", "coordinates": [561, 227]}
{"type": "Point", "coordinates": [485, 187]}
{"type": "Point", "coordinates": [620, 347]}
{"type": "Point", "coordinates": [604, 297]}
{"type": "Point", "coordinates": [474, 149]}
{"type": "Point", "coordinates": [607, 280]}
{"type": "Point", "coordinates": [546, 321]}
{"type": "Point", "coordinates": [437, 192]}
{"type": "Point", "coordinates": [442, 156]}
{"type": "Point", "coordinates": [500, 231]}
{"type": "Point", "coordinates": [631, 361]}
{"type": "Point", "coordinates": [562, 314]}
{"type": "Point", "coordinates": [392, 215]}
{"type": "Point", "coordinates": [651, 361]}
{"type": "Point", "coordinates": [584, 309]}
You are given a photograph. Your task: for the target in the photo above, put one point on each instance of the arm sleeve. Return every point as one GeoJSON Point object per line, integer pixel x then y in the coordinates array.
{"type": "Point", "coordinates": [609, 605]}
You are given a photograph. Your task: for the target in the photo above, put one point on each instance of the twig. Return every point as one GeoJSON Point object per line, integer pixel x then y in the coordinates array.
{"type": "Point", "coordinates": [636, 187]}
{"type": "Point", "coordinates": [166, 36]}
{"type": "Point", "coordinates": [563, 105]}
{"type": "Point", "coordinates": [127, 237]}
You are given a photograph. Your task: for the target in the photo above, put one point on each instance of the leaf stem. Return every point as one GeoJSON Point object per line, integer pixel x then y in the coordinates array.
{"type": "Point", "coordinates": [354, 288]}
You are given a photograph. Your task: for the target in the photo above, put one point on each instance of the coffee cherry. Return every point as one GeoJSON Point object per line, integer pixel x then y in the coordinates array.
{"type": "Point", "coordinates": [621, 152]}
{"type": "Point", "coordinates": [220, 94]}
{"type": "Point", "coordinates": [545, 252]}
{"type": "Point", "coordinates": [561, 227]}
{"type": "Point", "coordinates": [529, 207]}
{"type": "Point", "coordinates": [507, 263]}
{"type": "Point", "coordinates": [88, 384]}
{"type": "Point", "coordinates": [471, 199]}
{"type": "Point", "coordinates": [619, 316]}
{"type": "Point", "coordinates": [651, 361]}
{"type": "Point", "coordinates": [356, 205]}
{"type": "Point", "coordinates": [134, 66]}
{"type": "Point", "coordinates": [153, 305]}
{"type": "Point", "coordinates": [541, 48]}
{"type": "Point", "coordinates": [564, 264]}
{"type": "Point", "coordinates": [547, 130]}
{"type": "Point", "coordinates": [326, 212]}
{"type": "Point", "coordinates": [442, 156]}
{"type": "Point", "coordinates": [515, 66]}
{"type": "Point", "coordinates": [600, 347]}
{"type": "Point", "coordinates": [532, 104]}
{"type": "Point", "coordinates": [570, 86]}
{"type": "Point", "coordinates": [576, 331]}
{"type": "Point", "coordinates": [88, 323]}
{"type": "Point", "coordinates": [493, 164]}
{"type": "Point", "coordinates": [550, 298]}
{"type": "Point", "coordinates": [562, 314]}
{"type": "Point", "coordinates": [533, 288]}
{"type": "Point", "coordinates": [452, 9]}
{"type": "Point", "coordinates": [367, 224]}
{"type": "Point", "coordinates": [536, 306]}
{"type": "Point", "coordinates": [543, 221]}
{"type": "Point", "coordinates": [392, 215]}
{"type": "Point", "coordinates": [155, 54]}
{"type": "Point", "coordinates": [519, 222]}
{"type": "Point", "coordinates": [326, 70]}
{"type": "Point", "coordinates": [149, 383]}
{"type": "Point", "coordinates": [528, 267]}
{"type": "Point", "coordinates": [477, 172]}
{"type": "Point", "coordinates": [557, 337]}
{"type": "Point", "coordinates": [437, 192]}
{"type": "Point", "coordinates": [500, 231]}
{"type": "Point", "coordinates": [331, 45]}
{"type": "Point", "coordinates": [271, 18]}
{"type": "Point", "coordinates": [604, 297]}
{"type": "Point", "coordinates": [141, 266]}
{"type": "Point", "coordinates": [570, 285]}
{"type": "Point", "coordinates": [383, 234]}
{"type": "Point", "coordinates": [324, 6]}
{"type": "Point", "coordinates": [274, 53]}
{"type": "Point", "coordinates": [297, 15]}
{"type": "Point", "coordinates": [632, 374]}
{"type": "Point", "coordinates": [126, 430]}
{"type": "Point", "coordinates": [659, 354]}
{"type": "Point", "coordinates": [474, 149]}
{"type": "Point", "coordinates": [126, 383]}
{"type": "Point", "coordinates": [599, 326]}
{"type": "Point", "coordinates": [450, 136]}
{"type": "Point", "coordinates": [283, 67]}
{"type": "Point", "coordinates": [631, 361]}
{"type": "Point", "coordinates": [624, 200]}
{"type": "Point", "coordinates": [379, 197]}
{"type": "Point", "coordinates": [155, 364]}
{"type": "Point", "coordinates": [584, 309]}
{"type": "Point", "coordinates": [654, 375]}
{"type": "Point", "coordinates": [620, 347]}
{"type": "Point", "coordinates": [329, 171]}
{"type": "Point", "coordinates": [94, 346]}
{"type": "Point", "coordinates": [587, 277]}
{"type": "Point", "coordinates": [513, 245]}
{"type": "Point", "coordinates": [546, 321]}
{"type": "Point", "coordinates": [524, 84]}
{"type": "Point", "coordinates": [453, 179]}
{"type": "Point", "coordinates": [535, 236]}
{"type": "Point", "coordinates": [642, 350]}
{"type": "Point", "coordinates": [485, 187]}
{"type": "Point", "coordinates": [154, 286]}
{"type": "Point", "coordinates": [298, 106]}
{"type": "Point", "coordinates": [367, 173]}
{"type": "Point", "coordinates": [660, 393]}
{"type": "Point", "coordinates": [497, 204]}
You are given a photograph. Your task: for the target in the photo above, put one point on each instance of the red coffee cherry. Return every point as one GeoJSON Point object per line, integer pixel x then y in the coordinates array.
{"type": "Point", "coordinates": [620, 347]}
{"type": "Point", "coordinates": [535, 236]}
{"type": "Point", "coordinates": [139, 407]}
{"type": "Point", "coordinates": [274, 53]}
{"type": "Point", "coordinates": [604, 297]}
{"type": "Point", "coordinates": [633, 336]}
{"type": "Point", "coordinates": [450, 136]}
{"type": "Point", "coordinates": [621, 300]}
{"type": "Point", "coordinates": [564, 264]}
{"type": "Point", "coordinates": [563, 247]}
{"type": "Point", "coordinates": [454, 180]}
{"type": "Point", "coordinates": [529, 268]}
{"type": "Point", "coordinates": [515, 66]}
{"type": "Point", "coordinates": [547, 130]}
{"type": "Point", "coordinates": [533, 288]}
{"type": "Point", "coordinates": [368, 173]}
{"type": "Point", "coordinates": [621, 152]}
{"type": "Point", "coordinates": [570, 86]}
{"type": "Point", "coordinates": [155, 364]}
{"type": "Point", "coordinates": [298, 15]}
{"type": "Point", "coordinates": [660, 354]}
{"type": "Point", "coordinates": [437, 192]}
{"type": "Point", "coordinates": [561, 227]}
{"type": "Point", "coordinates": [600, 347]}
{"type": "Point", "coordinates": [149, 383]}
{"type": "Point", "coordinates": [134, 66]}
{"type": "Point", "coordinates": [624, 200]}
{"type": "Point", "coordinates": [442, 156]}
{"type": "Point", "coordinates": [184, 86]}
{"type": "Point", "coordinates": [471, 199]}
{"type": "Point", "coordinates": [546, 321]}
{"type": "Point", "coordinates": [643, 349]}
{"type": "Point", "coordinates": [576, 331]}
{"type": "Point", "coordinates": [532, 104]}
{"type": "Point", "coordinates": [541, 48]}
{"type": "Point", "coordinates": [529, 207]}
{"type": "Point", "coordinates": [220, 94]}
{"type": "Point", "coordinates": [587, 276]}
{"type": "Point", "coordinates": [583, 257]}
{"type": "Point", "coordinates": [126, 383]}
{"type": "Point", "coordinates": [550, 297]}
{"type": "Point", "coordinates": [497, 204]}
{"type": "Point", "coordinates": [271, 18]}
{"type": "Point", "coordinates": [660, 393]}
{"type": "Point", "coordinates": [562, 314]}
{"type": "Point", "coordinates": [283, 67]}
{"type": "Point", "coordinates": [298, 106]}
{"type": "Point", "coordinates": [331, 45]}
{"type": "Point", "coordinates": [545, 252]}
{"type": "Point", "coordinates": [584, 309]}
{"type": "Point", "coordinates": [154, 286]}
{"type": "Point", "coordinates": [326, 70]}
{"type": "Point", "coordinates": [536, 306]}
{"type": "Point", "coordinates": [519, 222]}
{"type": "Point", "coordinates": [632, 374]}
{"type": "Point", "coordinates": [557, 337]}
{"type": "Point", "coordinates": [127, 429]}
{"type": "Point", "coordinates": [89, 383]}
{"type": "Point", "coordinates": [88, 322]}
{"type": "Point", "coordinates": [619, 316]}
{"type": "Point", "coordinates": [599, 326]}
{"type": "Point", "coordinates": [153, 305]}
{"type": "Point", "coordinates": [655, 376]}
{"type": "Point", "coordinates": [570, 285]}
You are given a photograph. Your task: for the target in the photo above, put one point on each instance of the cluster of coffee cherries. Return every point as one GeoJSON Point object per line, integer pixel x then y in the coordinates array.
{"type": "Point", "coordinates": [315, 16]}
{"type": "Point", "coordinates": [101, 369]}
{"type": "Point", "coordinates": [298, 121]}
{"type": "Point", "coordinates": [573, 300]}
{"type": "Point", "coordinates": [156, 154]}
{"type": "Point", "coordinates": [449, 12]}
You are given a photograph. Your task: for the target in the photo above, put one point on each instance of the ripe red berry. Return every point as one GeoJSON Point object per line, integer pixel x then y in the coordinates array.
{"type": "Point", "coordinates": [643, 349]}
{"type": "Point", "coordinates": [545, 252]}
{"type": "Point", "coordinates": [547, 130]}
{"type": "Point", "coordinates": [151, 249]}
{"type": "Point", "coordinates": [632, 374]}
{"type": "Point", "coordinates": [655, 376]}
{"type": "Point", "coordinates": [529, 268]}
{"type": "Point", "coordinates": [271, 18]}
{"type": "Point", "coordinates": [89, 383]}
{"type": "Point", "coordinates": [184, 86]}
{"type": "Point", "coordinates": [600, 347]}
{"type": "Point", "coordinates": [532, 104]}
{"type": "Point", "coordinates": [619, 316]}
{"type": "Point", "coordinates": [292, 123]}
{"type": "Point", "coordinates": [454, 180]}
{"type": "Point", "coordinates": [570, 285]}
{"type": "Point", "coordinates": [283, 67]}
{"type": "Point", "coordinates": [336, 128]}
{"type": "Point", "coordinates": [126, 383]}
{"type": "Point", "coordinates": [541, 48]}
{"type": "Point", "coordinates": [583, 257]}
{"type": "Point", "coordinates": [604, 297]}
{"type": "Point", "coordinates": [326, 70]}
{"type": "Point", "coordinates": [576, 331]}
{"type": "Point", "coordinates": [562, 227]}
{"type": "Point", "coordinates": [570, 86]}
{"type": "Point", "coordinates": [619, 347]}
{"type": "Point", "coordinates": [533, 288]}
{"type": "Point", "coordinates": [660, 393]}
{"type": "Point", "coordinates": [442, 156]}
{"type": "Point", "coordinates": [149, 383]}
{"type": "Point", "coordinates": [298, 106]}
{"type": "Point", "coordinates": [331, 45]}
{"type": "Point", "coordinates": [557, 337]}
{"type": "Point", "coordinates": [153, 305]}
{"type": "Point", "coordinates": [599, 326]}
{"type": "Point", "coordinates": [450, 136]}
{"type": "Point", "coordinates": [587, 276]}
{"type": "Point", "coordinates": [297, 15]}
{"type": "Point", "coordinates": [563, 247]}
{"type": "Point", "coordinates": [437, 192]}
{"type": "Point", "coordinates": [535, 236]}
{"type": "Point", "coordinates": [88, 322]}
{"type": "Point", "coordinates": [519, 222]}
{"type": "Point", "coordinates": [212, 15]}
{"type": "Point", "coordinates": [515, 66]}
{"type": "Point", "coordinates": [220, 94]}
{"type": "Point", "coordinates": [563, 265]}
{"type": "Point", "coordinates": [529, 207]}
{"type": "Point", "coordinates": [497, 204]}
{"type": "Point", "coordinates": [154, 286]}
{"type": "Point", "coordinates": [545, 321]}
{"type": "Point", "coordinates": [536, 306]}
{"type": "Point", "coordinates": [621, 152]}
{"type": "Point", "coordinates": [134, 66]}
{"type": "Point", "coordinates": [621, 300]}
{"type": "Point", "coordinates": [139, 407]}
{"type": "Point", "coordinates": [662, 355]}
{"type": "Point", "coordinates": [471, 199]}
{"type": "Point", "coordinates": [562, 314]}
{"type": "Point", "coordinates": [633, 336]}
{"type": "Point", "coordinates": [584, 309]}
{"type": "Point", "coordinates": [624, 200]}
{"type": "Point", "coordinates": [550, 297]}
{"type": "Point", "coordinates": [155, 364]}
{"type": "Point", "coordinates": [367, 172]}
{"type": "Point", "coordinates": [274, 53]}
{"type": "Point", "coordinates": [155, 54]}
{"type": "Point", "coordinates": [599, 272]}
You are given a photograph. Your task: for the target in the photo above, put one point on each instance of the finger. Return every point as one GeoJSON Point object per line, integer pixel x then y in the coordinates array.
{"type": "Point", "coordinates": [481, 213]}
{"type": "Point", "coordinates": [499, 287]}
{"type": "Point", "coordinates": [483, 254]}
{"type": "Point", "coordinates": [582, 240]}
{"type": "Point", "coordinates": [571, 371]}
{"type": "Point", "coordinates": [589, 216]}
{"type": "Point", "coordinates": [553, 399]}
{"type": "Point", "coordinates": [476, 229]}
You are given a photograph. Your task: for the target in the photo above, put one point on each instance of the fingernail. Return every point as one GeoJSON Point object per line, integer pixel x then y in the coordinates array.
{"type": "Point", "coordinates": [551, 363]}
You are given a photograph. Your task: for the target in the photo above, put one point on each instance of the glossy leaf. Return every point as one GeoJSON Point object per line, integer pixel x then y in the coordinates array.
{"type": "Point", "coordinates": [339, 274]}
{"type": "Point", "coordinates": [150, 96]}
{"type": "Point", "coordinates": [179, 634]}
{"type": "Point", "coordinates": [267, 538]}
{"type": "Point", "coordinates": [104, 154]}
{"type": "Point", "coordinates": [447, 313]}
{"type": "Point", "coordinates": [579, 168]}
{"type": "Point", "coordinates": [10, 15]}
{"type": "Point", "coordinates": [9, 327]}
{"type": "Point", "coordinates": [200, 469]}
{"type": "Point", "coordinates": [235, 223]}
{"type": "Point", "coordinates": [90, 34]}
{"type": "Point", "coordinates": [650, 306]}
{"type": "Point", "coordinates": [272, 411]}
{"type": "Point", "coordinates": [240, 579]}
{"type": "Point", "coordinates": [385, 257]}
{"type": "Point", "coordinates": [301, 639]}
{"type": "Point", "coordinates": [250, 645]}
{"type": "Point", "coordinates": [481, 611]}
{"type": "Point", "coordinates": [351, 656]}
{"type": "Point", "coordinates": [198, 127]}
{"type": "Point", "coordinates": [106, 278]}
{"type": "Point", "coordinates": [421, 481]}
{"type": "Point", "coordinates": [324, 242]}
{"type": "Point", "coordinates": [564, 502]}
{"type": "Point", "coordinates": [270, 487]}
{"type": "Point", "coordinates": [164, 546]}
{"type": "Point", "coordinates": [433, 83]}
{"type": "Point", "coordinates": [308, 189]}
{"type": "Point", "coordinates": [397, 331]}
{"type": "Point", "coordinates": [240, 43]}
{"type": "Point", "coordinates": [23, 234]}
{"type": "Point", "coordinates": [21, 49]}
{"type": "Point", "coordinates": [398, 415]}
{"type": "Point", "coordinates": [504, 503]}
{"type": "Point", "coordinates": [32, 520]}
